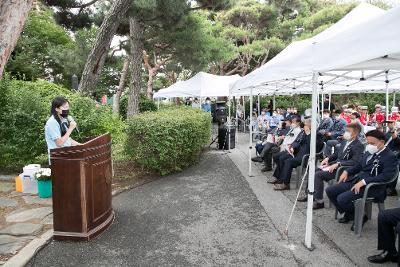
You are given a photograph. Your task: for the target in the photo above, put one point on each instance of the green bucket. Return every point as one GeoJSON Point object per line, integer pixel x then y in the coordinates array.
{"type": "Point", "coordinates": [45, 189]}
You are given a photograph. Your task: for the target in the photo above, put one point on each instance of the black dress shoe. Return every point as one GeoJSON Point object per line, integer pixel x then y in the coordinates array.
{"type": "Point", "coordinates": [391, 192]}
{"type": "Point", "coordinates": [266, 169]}
{"type": "Point", "coordinates": [317, 206]}
{"type": "Point", "coordinates": [383, 257]}
{"type": "Point", "coordinates": [257, 159]}
{"type": "Point", "coordinates": [344, 220]}
{"type": "Point", "coordinates": [303, 199]}
{"type": "Point", "coordinates": [365, 219]}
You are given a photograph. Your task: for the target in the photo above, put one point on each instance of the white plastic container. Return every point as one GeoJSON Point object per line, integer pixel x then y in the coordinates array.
{"type": "Point", "coordinates": [29, 183]}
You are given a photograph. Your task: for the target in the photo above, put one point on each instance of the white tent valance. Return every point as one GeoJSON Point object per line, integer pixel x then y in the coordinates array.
{"type": "Point", "coordinates": [201, 85]}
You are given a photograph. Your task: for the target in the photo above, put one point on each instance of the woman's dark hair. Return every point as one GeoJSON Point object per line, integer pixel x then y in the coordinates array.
{"type": "Point", "coordinates": [57, 103]}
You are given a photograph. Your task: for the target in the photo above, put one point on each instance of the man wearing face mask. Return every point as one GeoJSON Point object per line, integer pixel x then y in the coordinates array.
{"type": "Point", "coordinates": [378, 164]}
{"type": "Point", "coordinates": [290, 159]}
{"type": "Point", "coordinates": [348, 154]}
{"type": "Point", "coordinates": [206, 106]}
{"type": "Point", "coordinates": [326, 122]}
{"type": "Point", "coordinates": [337, 130]}
{"type": "Point", "coordinates": [288, 139]}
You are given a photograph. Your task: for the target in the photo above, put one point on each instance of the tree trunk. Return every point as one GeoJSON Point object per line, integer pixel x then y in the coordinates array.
{"type": "Point", "coordinates": [121, 85]}
{"type": "Point", "coordinates": [150, 83]}
{"type": "Point", "coordinates": [95, 61]}
{"type": "Point", "coordinates": [13, 14]}
{"type": "Point", "coordinates": [136, 37]}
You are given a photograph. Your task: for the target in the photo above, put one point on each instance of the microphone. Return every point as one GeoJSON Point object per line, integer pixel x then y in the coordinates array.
{"type": "Point", "coordinates": [71, 119]}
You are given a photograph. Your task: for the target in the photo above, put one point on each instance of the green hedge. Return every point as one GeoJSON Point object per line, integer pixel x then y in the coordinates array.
{"type": "Point", "coordinates": [168, 140]}
{"type": "Point", "coordinates": [24, 110]}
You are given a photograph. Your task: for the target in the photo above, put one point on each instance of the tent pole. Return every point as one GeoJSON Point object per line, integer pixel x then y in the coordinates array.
{"type": "Point", "coordinates": [250, 130]}
{"type": "Point", "coordinates": [330, 100]}
{"type": "Point", "coordinates": [394, 98]}
{"type": "Point", "coordinates": [237, 117]}
{"type": "Point", "coordinates": [229, 124]}
{"type": "Point", "coordinates": [244, 113]}
{"type": "Point", "coordinates": [158, 104]}
{"type": "Point", "coordinates": [387, 94]}
{"type": "Point", "coordinates": [274, 103]}
{"type": "Point", "coordinates": [311, 161]}
{"type": "Point", "coordinates": [258, 105]}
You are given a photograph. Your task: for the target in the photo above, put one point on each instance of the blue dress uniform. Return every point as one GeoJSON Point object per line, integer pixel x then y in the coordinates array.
{"type": "Point", "coordinates": [347, 155]}
{"type": "Point", "coordinates": [379, 167]}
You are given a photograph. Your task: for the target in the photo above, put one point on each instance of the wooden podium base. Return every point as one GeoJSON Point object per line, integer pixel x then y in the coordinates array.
{"type": "Point", "coordinates": [71, 236]}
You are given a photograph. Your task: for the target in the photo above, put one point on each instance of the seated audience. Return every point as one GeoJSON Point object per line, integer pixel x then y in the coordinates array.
{"type": "Point", "coordinates": [334, 132]}
{"type": "Point", "coordinates": [274, 138]}
{"type": "Point", "coordinates": [288, 139]}
{"type": "Point", "coordinates": [291, 158]}
{"type": "Point", "coordinates": [378, 164]}
{"type": "Point", "coordinates": [348, 154]}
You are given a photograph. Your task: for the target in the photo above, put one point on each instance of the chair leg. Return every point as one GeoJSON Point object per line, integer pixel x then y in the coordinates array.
{"type": "Point", "coordinates": [298, 174]}
{"type": "Point", "coordinates": [381, 206]}
{"type": "Point", "coordinates": [368, 210]}
{"type": "Point", "coordinates": [359, 207]}
{"type": "Point", "coordinates": [336, 212]}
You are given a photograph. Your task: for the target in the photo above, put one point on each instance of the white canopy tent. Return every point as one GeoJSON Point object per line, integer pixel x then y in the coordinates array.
{"type": "Point", "coordinates": [373, 44]}
{"type": "Point", "coordinates": [201, 85]}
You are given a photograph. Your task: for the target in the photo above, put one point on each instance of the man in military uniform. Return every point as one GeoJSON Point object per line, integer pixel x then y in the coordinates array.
{"type": "Point", "coordinates": [378, 165]}
{"type": "Point", "coordinates": [348, 154]}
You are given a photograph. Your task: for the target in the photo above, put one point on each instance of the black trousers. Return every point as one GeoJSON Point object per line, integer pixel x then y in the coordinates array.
{"type": "Point", "coordinates": [319, 178]}
{"type": "Point", "coordinates": [388, 228]}
{"type": "Point", "coordinates": [267, 154]}
{"type": "Point", "coordinates": [341, 196]}
{"type": "Point", "coordinates": [284, 168]}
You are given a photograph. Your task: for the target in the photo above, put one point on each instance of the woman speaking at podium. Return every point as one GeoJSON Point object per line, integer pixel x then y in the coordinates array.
{"type": "Point", "coordinates": [59, 126]}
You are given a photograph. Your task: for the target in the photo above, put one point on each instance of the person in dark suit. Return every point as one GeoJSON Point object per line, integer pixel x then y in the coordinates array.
{"type": "Point", "coordinates": [293, 157]}
{"type": "Point", "coordinates": [392, 141]}
{"type": "Point", "coordinates": [378, 164]}
{"type": "Point", "coordinates": [348, 154]}
{"type": "Point", "coordinates": [388, 228]}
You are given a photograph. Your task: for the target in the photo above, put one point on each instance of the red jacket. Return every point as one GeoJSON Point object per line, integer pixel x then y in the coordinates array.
{"type": "Point", "coordinates": [363, 119]}
{"type": "Point", "coordinates": [377, 117]}
{"type": "Point", "coordinates": [394, 117]}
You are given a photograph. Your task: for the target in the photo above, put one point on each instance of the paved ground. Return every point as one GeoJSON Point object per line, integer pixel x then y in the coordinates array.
{"type": "Point", "coordinates": [205, 216]}
{"type": "Point", "coordinates": [326, 229]}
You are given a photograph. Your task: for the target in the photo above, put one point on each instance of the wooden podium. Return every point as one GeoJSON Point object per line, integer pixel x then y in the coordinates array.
{"type": "Point", "coordinates": [81, 177]}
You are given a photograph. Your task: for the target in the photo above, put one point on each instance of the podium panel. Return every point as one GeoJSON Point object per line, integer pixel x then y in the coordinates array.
{"type": "Point", "coordinates": [82, 201]}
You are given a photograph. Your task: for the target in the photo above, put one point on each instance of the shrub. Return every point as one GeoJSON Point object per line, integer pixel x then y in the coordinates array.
{"type": "Point", "coordinates": [168, 140]}
{"type": "Point", "coordinates": [24, 111]}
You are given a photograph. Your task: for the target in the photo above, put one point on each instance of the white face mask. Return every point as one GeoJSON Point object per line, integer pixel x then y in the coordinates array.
{"type": "Point", "coordinates": [347, 136]}
{"type": "Point", "coordinates": [371, 149]}
{"type": "Point", "coordinates": [326, 116]}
